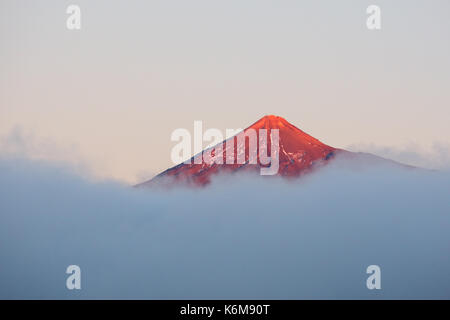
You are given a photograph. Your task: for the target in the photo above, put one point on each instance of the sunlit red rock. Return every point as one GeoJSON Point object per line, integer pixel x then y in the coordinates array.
{"type": "Point", "coordinates": [299, 153]}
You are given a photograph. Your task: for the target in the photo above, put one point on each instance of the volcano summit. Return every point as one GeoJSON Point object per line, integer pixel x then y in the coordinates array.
{"type": "Point", "coordinates": [298, 153]}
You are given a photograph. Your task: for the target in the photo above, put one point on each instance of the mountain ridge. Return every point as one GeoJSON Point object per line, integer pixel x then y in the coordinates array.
{"type": "Point", "coordinates": [299, 153]}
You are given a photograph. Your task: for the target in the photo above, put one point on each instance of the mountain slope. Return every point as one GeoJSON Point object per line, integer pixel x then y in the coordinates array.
{"type": "Point", "coordinates": [298, 153]}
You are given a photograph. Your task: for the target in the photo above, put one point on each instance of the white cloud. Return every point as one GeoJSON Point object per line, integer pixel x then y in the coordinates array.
{"type": "Point", "coordinates": [241, 237]}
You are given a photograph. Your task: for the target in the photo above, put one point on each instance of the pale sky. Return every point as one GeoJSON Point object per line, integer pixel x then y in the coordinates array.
{"type": "Point", "coordinates": [109, 95]}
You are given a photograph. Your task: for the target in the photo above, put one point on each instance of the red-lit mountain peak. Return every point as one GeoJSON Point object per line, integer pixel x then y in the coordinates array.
{"type": "Point", "coordinates": [298, 154]}
{"type": "Point", "coordinates": [297, 149]}
{"type": "Point", "coordinates": [292, 138]}
{"type": "Point", "coordinates": [270, 122]}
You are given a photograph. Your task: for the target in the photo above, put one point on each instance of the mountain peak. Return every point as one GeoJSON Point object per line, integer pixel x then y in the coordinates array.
{"type": "Point", "coordinates": [270, 122]}
{"type": "Point", "coordinates": [298, 153]}
{"type": "Point", "coordinates": [292, 138]}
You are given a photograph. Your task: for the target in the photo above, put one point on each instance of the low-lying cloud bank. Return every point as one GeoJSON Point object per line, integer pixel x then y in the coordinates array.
{"type": "Point", "coordinates": [243, 237]}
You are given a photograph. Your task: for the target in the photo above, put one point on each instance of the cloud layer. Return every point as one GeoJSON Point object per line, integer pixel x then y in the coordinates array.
{"type": "Point", "coordinates": [242, 237]}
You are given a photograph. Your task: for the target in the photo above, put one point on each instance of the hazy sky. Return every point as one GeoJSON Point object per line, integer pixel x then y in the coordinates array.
{"type": "Point", "coordinates": [110, 94]}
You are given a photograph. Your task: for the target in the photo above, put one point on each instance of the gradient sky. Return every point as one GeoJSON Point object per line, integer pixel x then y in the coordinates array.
{"type": "Point", "coordinates": [109, 95]}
